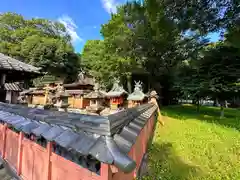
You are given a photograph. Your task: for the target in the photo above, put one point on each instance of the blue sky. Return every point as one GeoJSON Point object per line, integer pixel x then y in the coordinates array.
{"type": "Point", "coordinates": [83, 18]}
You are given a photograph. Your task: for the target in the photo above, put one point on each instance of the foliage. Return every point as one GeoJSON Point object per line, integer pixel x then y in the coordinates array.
{"type": "Point", "coordinates": [40, 42]}
{"type": "Point", "coordinates": [195, 146]}
{"type": "Point", "coordinates": [157, 36]}
{"type": "Point", "coordinates": [220, 69]}
{"type": "Point", "coordinates": [100, 63]}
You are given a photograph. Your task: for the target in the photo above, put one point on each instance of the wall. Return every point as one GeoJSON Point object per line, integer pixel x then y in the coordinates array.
{"type": "Point", "coordinates": [8, 97]}
{"type": "Point", "coordinates": [138, 149]}
{"type": "Point", "coordinates": [34, 162]}
{"type": "Point", "coordinates": [78, 102]}
{"type": "Point", "coordinates": [38, 99]}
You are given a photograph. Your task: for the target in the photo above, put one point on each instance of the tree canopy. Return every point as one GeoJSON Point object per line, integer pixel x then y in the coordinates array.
{"type": "Point", "coordinates": [40, 42]}
{"type": "Point", "coordinates": [168, 40]}
{"type": "Point", "coordinates": [165, 40]}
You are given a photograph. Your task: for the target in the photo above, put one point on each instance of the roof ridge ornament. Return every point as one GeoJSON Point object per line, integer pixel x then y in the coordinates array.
{"type": "Point", "coordinates": [137, 94]}
{"type": "Point", "coordinates": [96, 87]}
{"type": "Point", "coordinates": [81, 74]}
{"type": "Point", "coordinates": [138, 86]}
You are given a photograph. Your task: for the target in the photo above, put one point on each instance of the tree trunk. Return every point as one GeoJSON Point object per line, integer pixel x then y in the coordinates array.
{"type": "Point", "coordinates": [198, 105]}
{"type": "Point", "coordinates": [216, 103]}
{"type": "Point", "coordinates": [226, 104]}
{"type": "Point", "coordinates": [222, 111]}
{"type": "Point", "coordinates": [129, 83]}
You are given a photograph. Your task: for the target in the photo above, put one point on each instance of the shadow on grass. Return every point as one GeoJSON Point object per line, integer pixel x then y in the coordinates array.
{"type": "Point", "coordinates": [208, 114]}
{"type": "Point", "coordinates": [164, 164]}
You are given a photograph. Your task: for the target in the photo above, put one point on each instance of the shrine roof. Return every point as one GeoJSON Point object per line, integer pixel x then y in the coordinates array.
{"type": "Point", "coordinates": [137, 94]}
{"type": "Point", "coordinates": [95, 95]}
{"type": "Point", "coordinates": [12, 87]}
{"type": "Point", "coordinates": [9, 63]}
{"type": "Point", "coordinates": [108, 139]}
{"type": "Point", "coordinates": [77, 92]}
{"type": "Point", "coordinates": [117, 90]}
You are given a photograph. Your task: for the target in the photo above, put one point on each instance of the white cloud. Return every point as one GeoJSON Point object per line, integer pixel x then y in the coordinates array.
{"type": "Point", "coordinates": [71, 28]}
{"type": "Point", "coordinates": [110, 5]}
{"type": "Point", "coordinates": [94, 27]}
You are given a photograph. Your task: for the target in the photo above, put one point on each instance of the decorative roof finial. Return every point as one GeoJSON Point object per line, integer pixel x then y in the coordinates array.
{"type": "Point", "coordinates": [137, 94]}
{"type": "Point", "coordinates": [116, 85]}
{"type": "Point", "coordinates": [117, 89]}
{"type": "Point", "coordinates": [81, 74]}
{"type": "Point", "coordinates": [138, 86]}
{"type": "Point", "coordinates": [96, 86]}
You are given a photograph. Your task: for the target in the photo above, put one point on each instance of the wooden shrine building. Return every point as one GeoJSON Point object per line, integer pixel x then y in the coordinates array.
{"type": "Point", "coordinates": [116, 95]}
{"type": "Point", "coordinates": [12, 70]}
{"type": "Point", "coordinates": [83, 85]}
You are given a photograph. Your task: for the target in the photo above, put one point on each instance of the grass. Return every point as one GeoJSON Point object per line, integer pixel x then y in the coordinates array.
{"type": "Point", "coordinates": [196, 146]}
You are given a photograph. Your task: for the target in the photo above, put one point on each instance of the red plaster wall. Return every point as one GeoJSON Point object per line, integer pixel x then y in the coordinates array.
{"type": "Point", "coordinates": [62, 169]}
{"type": "Point", "coordinates": [138, 150]}
{"type": "Point", "coordinates": [11, 148]}
{"type": "Point", "coordinates": [34, 160]}
{"type": "Point", "coordinates": [1, 139]}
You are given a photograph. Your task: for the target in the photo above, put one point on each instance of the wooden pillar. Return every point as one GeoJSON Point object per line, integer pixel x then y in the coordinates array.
{"type": "Point", "coordinates": [73, 101]}
{"type": "Point", "coordinates": [4, 140]}
{"type": "Point", "coordinates": [49, 152]}
{"type": "Point", "coordinates": [19, 160]}
{"type": "Point", "coordinates": [106, 173]}
{"type": "Point", "coordinates": [46, 95]}
{"type": "Point", "coordinates": [81, 102]}
{"type": "Point", "coordinates": [3, 79]}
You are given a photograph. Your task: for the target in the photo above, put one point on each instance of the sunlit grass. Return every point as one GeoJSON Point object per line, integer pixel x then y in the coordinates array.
{"type": "Point", "coordinates": [196, 146]}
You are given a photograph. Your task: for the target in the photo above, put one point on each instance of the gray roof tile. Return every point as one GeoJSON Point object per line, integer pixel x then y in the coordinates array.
{"type": "Point", "coordinates": [10, 63]}
{"type": "Point", "coordinates": [108, 139]}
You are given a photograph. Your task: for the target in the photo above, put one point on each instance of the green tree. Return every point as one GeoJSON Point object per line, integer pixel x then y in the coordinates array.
{"type": "Point", "coordinates": [220, 69]}
{"type": "Point", "coordinates": [40, 42]}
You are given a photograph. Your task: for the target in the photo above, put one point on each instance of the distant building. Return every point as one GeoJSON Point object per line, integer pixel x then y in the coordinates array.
{"type": "Point", "coordinates": [12, 70]}
{"type": "Point", "coordinates": [12, 92]}
{"type": "Point", "coordinates": [116, 95]}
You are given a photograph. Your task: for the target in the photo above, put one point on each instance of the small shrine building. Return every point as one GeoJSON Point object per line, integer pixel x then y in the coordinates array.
{"type": "Point", "coordinates": [137, 97]}
{"type": "Point", "coordinates": [116, 95]}
{"type": "Point", "coordinates": [97, 100]}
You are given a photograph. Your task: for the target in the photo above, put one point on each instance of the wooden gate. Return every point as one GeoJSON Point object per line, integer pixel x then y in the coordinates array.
{"type": "Point", "coordinates": [33, 161]}
{"type": "Point", "coordinates": [11, 148]}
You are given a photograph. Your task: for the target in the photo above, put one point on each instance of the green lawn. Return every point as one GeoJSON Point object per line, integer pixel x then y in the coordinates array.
{"type": "Point", "coordinates": [196, 146]}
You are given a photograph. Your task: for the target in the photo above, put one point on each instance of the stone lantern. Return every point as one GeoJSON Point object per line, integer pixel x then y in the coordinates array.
{"type": "Point", "coordinates": [97, 99]}
{"type": "Point", "coordinates": [116, 95]}
{"type": "Point", "coordinates": [137, 97]}
{"type": "Point", "coordinates": [61, 99]}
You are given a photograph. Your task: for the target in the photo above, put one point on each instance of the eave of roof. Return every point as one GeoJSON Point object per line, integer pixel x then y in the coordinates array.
{"type": "Point", "coordinates": [115, 94]}
{"type": "Point", "coordinates": [77, 92]}
{"type": "Point", "coordinates": [9, 63]}
{"type": "Point", "coordinates": [95, 95]}
{"type": "Point", "coordinates": [12, 87]}
{"type": "Point", "coordinates": [136, 96]}
{"type": "Point", "coordinates": [83, 133]}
